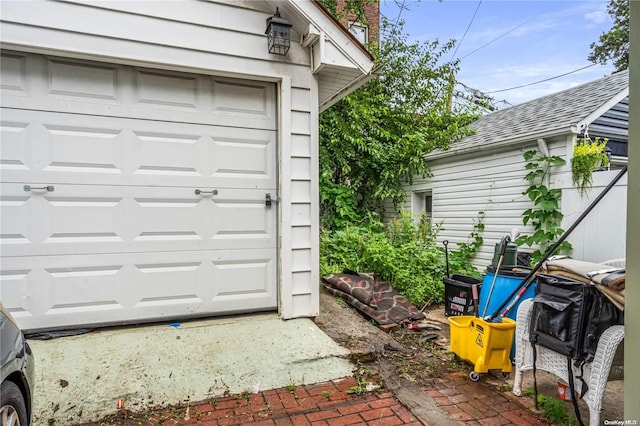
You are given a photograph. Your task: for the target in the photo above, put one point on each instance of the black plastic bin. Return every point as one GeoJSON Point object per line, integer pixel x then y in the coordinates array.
{"type": "Point", "coordinates": [458, 296]}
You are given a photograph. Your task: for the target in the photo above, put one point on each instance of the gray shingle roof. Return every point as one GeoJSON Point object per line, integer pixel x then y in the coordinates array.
{"type": "Point", "coordinates": [552, 112]}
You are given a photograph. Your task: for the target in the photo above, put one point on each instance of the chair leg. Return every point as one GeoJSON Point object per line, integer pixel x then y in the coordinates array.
{"type": "Point", "coordinates": [517, 383]}
{"type": "Point", "coordinates": [600, 368]}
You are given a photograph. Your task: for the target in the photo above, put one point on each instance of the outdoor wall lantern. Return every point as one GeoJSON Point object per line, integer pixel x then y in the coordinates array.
{"type": "Point", "coordinates": [609, 152]}
{"type": "Point", "coordinates": [278, 34]}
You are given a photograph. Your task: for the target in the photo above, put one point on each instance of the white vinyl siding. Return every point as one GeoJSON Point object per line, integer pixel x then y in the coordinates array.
{"type": "Point", "coordinates": [303, 186]}
{"type": "Point", "coordinates": [464, 185]}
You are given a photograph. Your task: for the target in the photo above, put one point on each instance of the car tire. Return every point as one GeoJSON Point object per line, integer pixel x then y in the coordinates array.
{"type": "Point", "coordinates": [13, 411]}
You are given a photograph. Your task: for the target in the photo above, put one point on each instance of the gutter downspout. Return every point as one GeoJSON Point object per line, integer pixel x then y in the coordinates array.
{"type": "Point", "coordinates": [543, 147]}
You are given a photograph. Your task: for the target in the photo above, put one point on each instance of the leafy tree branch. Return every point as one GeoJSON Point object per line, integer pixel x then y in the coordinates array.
{"type": "Point", "coordinates": [374, 140]}
{"type": "Point", "coordinates": [613, 45]}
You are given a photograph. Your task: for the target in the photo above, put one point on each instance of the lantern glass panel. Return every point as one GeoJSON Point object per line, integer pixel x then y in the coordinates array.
{"type": "Point", "coordinates": [278, 35]}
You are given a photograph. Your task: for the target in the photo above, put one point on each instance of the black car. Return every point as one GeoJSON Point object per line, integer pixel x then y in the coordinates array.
{"type": "Point", "coordinates": [16, 359]}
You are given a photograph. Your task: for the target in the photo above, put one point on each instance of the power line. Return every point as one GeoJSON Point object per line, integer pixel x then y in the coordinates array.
{"type": "Point", "coordinates": [541, 81]}
{"type": "Point", "coordinates": [465, 31]}
{"type": "Point", "coordinates": [401, 8]}
{"type": "Point", "coordinates": [499, 37]}
{"type": "Point", "coordinates": [479, 98]}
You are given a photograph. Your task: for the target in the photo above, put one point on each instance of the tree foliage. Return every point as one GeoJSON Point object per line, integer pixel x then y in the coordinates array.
{"type": "Point", "coordinates": [614, 44]}
{"type": "Point", "coordinates": [374, 140]}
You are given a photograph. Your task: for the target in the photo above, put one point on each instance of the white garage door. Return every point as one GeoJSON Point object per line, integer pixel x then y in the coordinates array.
{"type": "Point", "coordinates": [156, 202]}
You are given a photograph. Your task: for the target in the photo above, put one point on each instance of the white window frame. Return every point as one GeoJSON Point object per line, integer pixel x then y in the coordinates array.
{"type": "Point", "coordinates": [360, 31]}
{"type": "Point", "coordinates": [422, 202]}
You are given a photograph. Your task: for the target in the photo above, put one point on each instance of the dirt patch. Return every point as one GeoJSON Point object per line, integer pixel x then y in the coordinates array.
{"type": "Point", "coordinates": [418, 355]}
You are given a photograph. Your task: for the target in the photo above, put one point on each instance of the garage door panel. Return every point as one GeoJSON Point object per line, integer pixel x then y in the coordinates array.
{"type": "Point", "coordinates": [243, 158]}
{"type": "Point", "coordinates": [164, 154]}
{"type": "Point", "coordinates": [110, 151]}
{"type": "Point", "coordinates": [80, 149]}
{"type": "Point", "coordinates": [87, 289]}
{"type": "Point", "coordinates": [239, 278]}
{"type": "Point", "coordinates": [72, 220]}
{"type": "Point", "coordinates": [15, 229]}
{"type": "Point", "coordinates": [82, 219]}
{"type": "Point", "coordinates": [13, 69]}
{"type": "Point", "coordinates": [15, 289]}
{"type": "Point", "coordinates": [14, 145]}
{"type": "Point", "coordinates": [36, 82]}
{"type": "Point", "coordinates": [81, 289]}
{"type": "Point", "coordinates": [86, 81]}
{"type": "Point", "coordinates": [165, 277]}
{"type": "Point", "coordinates": [166, 90]}
{"type": "Point", "coordinates": [238, 98]}
{"type": "Point", "coordinates": [171, 219]}
{"type": "Point", "coordinates": [243, 220]}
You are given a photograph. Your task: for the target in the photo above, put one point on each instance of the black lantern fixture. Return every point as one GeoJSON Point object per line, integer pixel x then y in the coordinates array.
{"type": "Point", "coordinates": [278, 34]}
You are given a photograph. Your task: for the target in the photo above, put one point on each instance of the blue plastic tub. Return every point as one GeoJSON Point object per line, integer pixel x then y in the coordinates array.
{"type": "Point", "coordinates": [505, 284]}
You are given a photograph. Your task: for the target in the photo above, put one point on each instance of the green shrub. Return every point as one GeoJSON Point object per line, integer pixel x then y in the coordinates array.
{"type": "Point", "coordinates": [404, 253]}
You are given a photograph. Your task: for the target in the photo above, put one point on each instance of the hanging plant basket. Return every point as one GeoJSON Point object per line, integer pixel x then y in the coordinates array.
{"type": "Point", "coordinates": [588, 156]}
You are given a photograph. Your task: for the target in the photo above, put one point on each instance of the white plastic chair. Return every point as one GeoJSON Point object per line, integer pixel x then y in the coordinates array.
{"type": "Point", "coordinates": [596, 373]}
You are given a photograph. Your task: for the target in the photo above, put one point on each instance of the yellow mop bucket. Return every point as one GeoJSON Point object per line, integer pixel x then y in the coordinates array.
{"type": "Point", "coordinates": [485, 344]}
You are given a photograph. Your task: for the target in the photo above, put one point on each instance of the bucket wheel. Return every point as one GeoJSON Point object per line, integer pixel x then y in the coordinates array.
{"type": "Point", "coordinates": [505, 375]}
{"type": "Point", "coordinates": [474, 376]}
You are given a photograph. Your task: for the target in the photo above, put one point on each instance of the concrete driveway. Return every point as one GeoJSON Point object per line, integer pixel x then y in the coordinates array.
{"type": "Point", "coordinates": [82, 378]}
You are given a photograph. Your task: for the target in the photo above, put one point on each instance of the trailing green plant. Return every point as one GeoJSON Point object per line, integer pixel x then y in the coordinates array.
{"type": "Point", "coordinates": [467, 250]}
{"type": "Point", "coordinates": [356, 7]}
{"type": "Point", "coordinates": [588, 156]}
{"type": "Point", "coordinates": [545, 216]}
{"type": "Point", "coordinates": [404, 253]}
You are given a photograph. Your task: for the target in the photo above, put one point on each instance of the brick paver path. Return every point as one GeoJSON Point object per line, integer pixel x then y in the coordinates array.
{"type": "Point", "coordinates": [468, 403]}
{"type": "Point", "coordinates": [322, 404]}
{"type": "Point", "coordinates": [476, 403]}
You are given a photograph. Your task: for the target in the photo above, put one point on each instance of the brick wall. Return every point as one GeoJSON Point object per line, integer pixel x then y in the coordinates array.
{"type": "Point", "coordinates": [371, 16]}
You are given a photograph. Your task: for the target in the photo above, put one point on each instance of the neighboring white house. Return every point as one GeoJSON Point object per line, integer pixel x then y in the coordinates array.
{"type": "Point", "coordinates": [485, 172]}
{"type": "Point", "coordinates": [141, 142]}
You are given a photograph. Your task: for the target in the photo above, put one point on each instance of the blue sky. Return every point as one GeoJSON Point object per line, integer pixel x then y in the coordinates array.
{"type": "Point", "coordinates": [551, 38]}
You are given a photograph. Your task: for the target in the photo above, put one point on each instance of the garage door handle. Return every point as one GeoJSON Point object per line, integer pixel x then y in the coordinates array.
{"type": "Point", "coordinates": [28, 188]}
{"type": "Point", "coordinates": [212, 192]}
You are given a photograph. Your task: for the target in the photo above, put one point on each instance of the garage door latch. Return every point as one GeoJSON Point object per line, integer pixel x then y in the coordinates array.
{"type": "Point", "coordinates": [270, 199]}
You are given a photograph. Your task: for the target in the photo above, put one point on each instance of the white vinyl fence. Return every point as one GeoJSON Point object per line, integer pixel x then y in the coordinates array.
{"type": "Point", "coordinates": [602, 234]}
